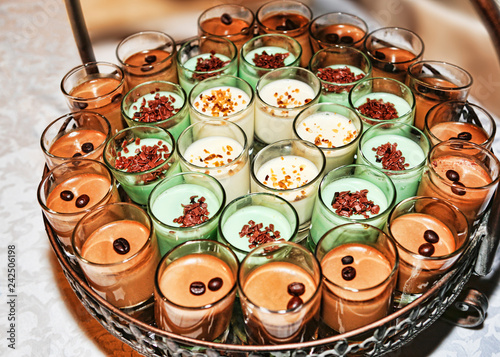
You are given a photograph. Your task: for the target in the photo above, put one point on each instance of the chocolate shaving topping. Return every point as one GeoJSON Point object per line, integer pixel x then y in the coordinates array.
{"type": "Point", "coordinates": [390, 157]}
{"type": "Point", "coordinates": [264, 60]}
{"type": "Point", "coordinates": [257, 234]}
{"type": "Point", "coordinates": [145, 158]}
{"type": "Point", "coordinates": [346, 204]}
{"type": "Point", "coordinates": [157, 109]}
{"type": "Point", "coordinates": [378, 109]}
{"type": "Point", "coordinates": [208, 65]}
{"type": "Point", "coordinates": [338, 75]}
{"type": "Point", "coordinates": [194, 213]}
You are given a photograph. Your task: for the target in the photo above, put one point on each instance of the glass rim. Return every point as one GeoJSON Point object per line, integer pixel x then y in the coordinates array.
{"type": "Point", "coordinates": [141, 33]}
{"type": "Point", "coordinates": [306, 304]}
{"type": "Point", "coordinates": [78, 68]}
{"type": "Point", "coordinates": [201, 225]}
{"type": "Point", "coordinates": [69, 214]}
{"type": "Point", "coordinates": [253, 194]}
{"type": "Point", "coordinates": [233, 6]}
{"type": "Point", "coordinates": [363, 22]}
{"type": "Point", "coordinates": [196, 308]}
{"type": "Point", "coordinates": [415, 255]}
{"type": "Point", "coordinates": [282, 143]}
{"type": "Point", "coordinates": [182, 94]}
{"type": "Point", "coordinates": [307, 13]}
{"type": "Point", "coordinates": [46, 149]}
{"type": "Point", "coordinates": [389, 238]}
{"type": "Point", "coordinates": [395, 28]}
{"type": "Point", "coordinates": [422, 63]}
{"type": "Point", "coordinates": [98, 209]}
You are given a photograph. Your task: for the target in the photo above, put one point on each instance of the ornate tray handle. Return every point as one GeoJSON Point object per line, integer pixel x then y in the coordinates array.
{"type": "Point", "coordinates": [469, 310]}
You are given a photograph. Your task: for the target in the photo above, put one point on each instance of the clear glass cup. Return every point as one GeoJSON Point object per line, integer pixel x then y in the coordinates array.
{"type": "Point", "coordinates": [173, 199]}
{"type": "Point", "coordinates": [392, 50]}
{"type": "Point", "coordinates": [80, 134]}
{"type": "Point", "coordinates": [297, 89]}
{"type": "Point", "coordinates": [202, 267]}
{"type": "Point", "coordinates": [339, 68]}
{"type": "Point", "coordinates": [272, 44]}
{"type": "Point", "coordinates": [434, 82]}
{"type": "Point", "coordinates": [386, 90]}
{"type": "Point", "coordinates": [337, 28]}
{"type": "Point", "coordinates": [115, 246]}
{"type": "Point", "coordinates": [157, 103]}
{"type": "Point", "coordinates": [460, 119]}
{"type": "Point", "coordinates": [63, 209]}
{"type": "Point", "coordinates": [271, 314]}
{"type": "Point", "coordinates": [289, 18]}
{"type": "Point", "coordinates": [413, 146]}
{"type": "Point", "coordinates": [472, 183]}
{"type": "Point", "coordinates": [98, 87]}
{"type": "Point", "coordinates": [204, 57]}
{"type": "Point", "coordinates": [147, 56]}
{"type": "Point", "coordinates": [291, 169]}
{"type": "Point", "coordinates": [410, 223]}
{"type": "Point", "coordinates": [218, 148]}
{"type": "Point", "coordinates": [234, 22]}
{"type": "Point", "coordinates": [236, 106]}
{"type": "Point", "coordinates": [333, 128]}
{"type": "Point", "coordinates": [139, 158]}
{"type": "Point", "coordinates": [273, 212]}
{"type": "Point", "coordinates": [359, 263]}
{"type": "Point", "coordinates": [351, 179]}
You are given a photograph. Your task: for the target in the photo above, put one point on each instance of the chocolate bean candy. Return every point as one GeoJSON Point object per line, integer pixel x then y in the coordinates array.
{"type": "Point", "coordinates": [452, 175]}
{"type": "Point", "coordinates": [121, 246]}
{"type": "Point", "coordinates": [226, 19]}
{"type": "Point", "coordinates": [431, 236]}
{"type": "Point", "coordinates": [294, 303]}
{"type": "Point", "coordinates": [348, 259]}
{"type": "Point", "coordinates": [87, 147]}
{"type": "Point", "coordinates": [66, 195]}
{"type": "Point", "coordinates": [426, 249]}
{"type": "Point", "coordinates": [215, 284]}
{"type": "Point", "coordinates": [348, 273]}
{"type": "Point", "coordinates": [296, 289]}
{"type": "Point", "coordinates": [82, 201]}
{"type": "Point", "coordinates": [150, 59]}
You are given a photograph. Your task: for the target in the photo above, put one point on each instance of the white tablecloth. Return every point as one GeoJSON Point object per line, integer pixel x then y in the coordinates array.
{"type": "Point", "coordinates": [36, 50]}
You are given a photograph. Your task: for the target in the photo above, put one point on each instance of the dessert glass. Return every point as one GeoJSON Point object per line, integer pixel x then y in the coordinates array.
{"type": "Point", "coordinates": [289, 18]}
{"type": "Point", "coordinates": [337, 58]}
{"type": "Point", "coordinates": [166, 202]}
{"type": "Point", "coordinates": [389, 91]}
{"type": "Point", "coordinates": [337, 28]}
{"type": "Point", "coordinates": [312, 125]}
{"type": "Point", "coordinates": [434, 82]}
{"type": "Point", "coordinates": [261, 208]}
{"type": "Point", "coordinates": [359, 263]}
{"type": "Point", "coordinates": [270, 315]}
{"type": "Point", "coordinates": [413, 145]}
{"type": "Point", "coordinates": [115, 245]}
{"type": "Point", "coordinates": [205, 316]}
{"type": "Point", "coordinates": [351, 178]}
{"type": "Point", "coordinates": [74, 175]}
{"type": "Point", "coordinates": [274, 122]}
{"type": "Point", "coordinates": [147, 143]}
{"type": "Point", "coordinates": [171, 114]}
{"type": "Point", "coordinates": [234, 22]}
{"type": "Point", "coordinates": [456, 118]}
{"type": "Point", "coordinates": [471, 185]}
{"type": "Point", "coordinates": [98, 87]}
{"type": "Point", "coordinates": [200, 49]}
{"type": "Point", "coordinates": [147, 56]}
{"type": "Point", "coordinates": [272, 44]}
{"type": "Point", "coordinates": [218, 148]}
{"type": "Point", "coordinates": [408, 223]}
{"type": "Point", "coordinates": [80, 134]}
{"type": "Point", "coordinates": [392, 50]}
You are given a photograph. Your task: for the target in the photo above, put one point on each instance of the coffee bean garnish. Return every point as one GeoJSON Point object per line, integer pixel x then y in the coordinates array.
{"type": "Point", "coordinates": [348, 273]}
{"type": "Point", "coordinates": [332, 38]}
{"type": "Point", "coordinates": [66, 195]}
{"type": "Point", "coordinates": [281, 28]}
{"type": "Point", "coordinates": [296, 289]}
{"type": "Point", "coordinates": [150, 59]}
{"type": "Point", "coordinates": [197, 288]}
{"type": "Point", "coordinates": [117, 97]}
{"type": "Point", "coordinates": [294, 303]}
{"type": "Point", "coordinates": [464, 135]}
{"type": "Point", "coordinates": [348, 259]}
{"type": "Point", "coordinates": [146, 68]}
{"type": "Point", "coordinates": [81, 105]}
{"type": "Point", "coordinates": [452, 175]}
{"type": "Point", "coordinates": [389, 67]}
{"type": "Point", "coordinates": [431, 236]}
{"type": "Point", "coordinates": [457, 188]}
{"type": "Point", "coordinates": [82, 201]}
{"type": "Point", "coordinates": [290, 25]}
{"type": "Point", "coordinates": [426, 249]}
{"type": "Point", "coordinates": [226, 19]}
{"type": "Point", "coordinates": [215, 284]}
{"type": "Point", "coordinates": [87, 147]}
{"type": "Point", "coordinates": [379, 55]}
{"type": "Point", "coordinates": [346, 40]}
{"type": "Point", "coordinates": [76, 154]}
{"type": "Point", "coordinates": [121, 246]}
